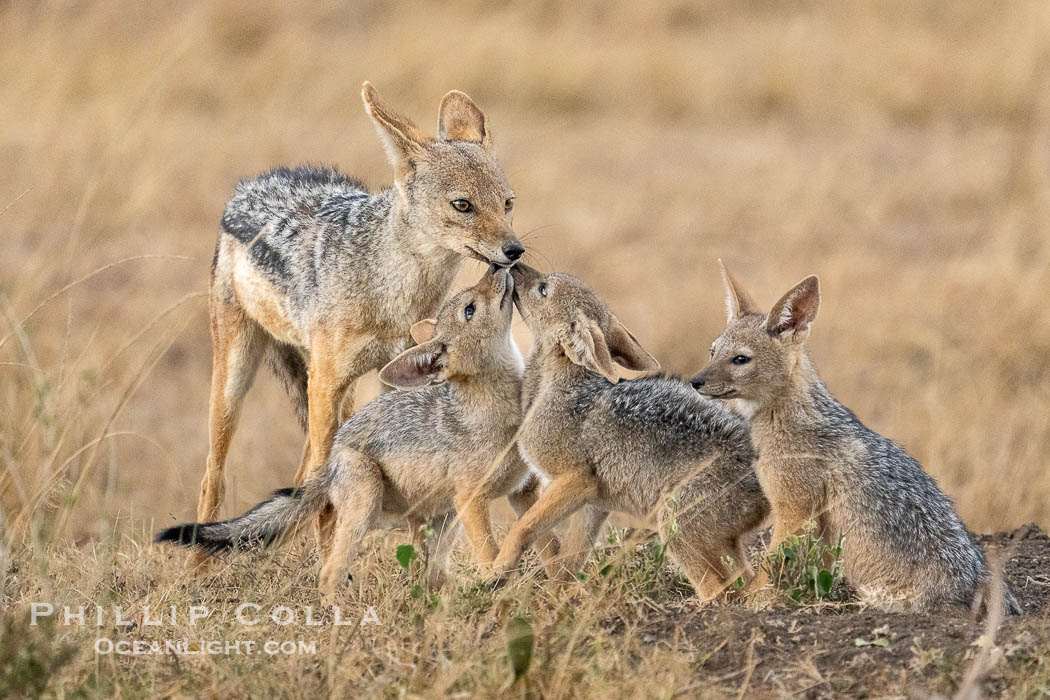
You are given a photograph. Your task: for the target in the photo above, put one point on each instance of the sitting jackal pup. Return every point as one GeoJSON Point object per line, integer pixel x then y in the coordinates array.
{"type": "Point", "coordinates": [324, 278]}
{"type": "Point", "coordinates": [901, 538]}
{"type": "Point", "coordinates": [445, 447]}
{"type": "Point", "coordinates": [647, 447]}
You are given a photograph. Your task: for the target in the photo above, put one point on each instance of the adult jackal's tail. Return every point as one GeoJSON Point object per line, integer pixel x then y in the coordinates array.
{"type": "Point", "coordinates": [269, 521]}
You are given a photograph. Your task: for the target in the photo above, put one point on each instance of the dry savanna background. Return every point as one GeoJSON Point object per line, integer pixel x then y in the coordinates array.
{"type": "Point", "coordinates": [899, 150]}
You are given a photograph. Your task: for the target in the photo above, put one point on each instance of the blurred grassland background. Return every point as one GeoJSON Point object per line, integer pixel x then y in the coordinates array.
{"type": "Point", "coordinates": [900, 150]}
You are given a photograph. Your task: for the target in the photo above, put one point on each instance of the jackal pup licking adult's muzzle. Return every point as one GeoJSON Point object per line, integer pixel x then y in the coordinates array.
{"type": "Point", "coordinates": [438, 451]}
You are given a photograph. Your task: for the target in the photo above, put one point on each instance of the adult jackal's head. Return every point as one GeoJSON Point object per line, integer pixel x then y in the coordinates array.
{"type": "Point", "coordinates": [469, 341]}
{"type": "Point", "coordinates": [452, 186]}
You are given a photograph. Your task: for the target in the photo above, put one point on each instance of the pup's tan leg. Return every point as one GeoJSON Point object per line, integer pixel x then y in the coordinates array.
{"type": "Point", "coordinates": [415, 525]}
{"type": "Point", "coordinates": [579, 538]}
{"type": "Point", "coordinates": [704, 561]}
{"type": "Point", "coordinates": [446, 530]}
{"type": "Point", "coordinates": [358, 499]}
{"type": "Point", "coordinates": [547, 545]}
{"type": "Point", "coordinates": [238, 344]}
{"type": "Point", "coordinates": [324, 531]}
{"type": "Point", "coordinates": [786, 522]}
{"type": "Point", "coordinates": [562, 497]}
{"type": "Point", "coordinates": [473, 509]}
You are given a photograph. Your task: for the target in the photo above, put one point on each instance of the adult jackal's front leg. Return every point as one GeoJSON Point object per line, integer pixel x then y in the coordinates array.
{"type": "Point", "coordinates": [331, 364]}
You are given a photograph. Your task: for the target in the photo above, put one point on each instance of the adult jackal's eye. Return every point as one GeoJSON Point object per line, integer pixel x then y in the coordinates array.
{"type": "Point", "coordinates": [468, 311]}
{"type": "Point", "coordinates": [741, 360]}
{"type": "Point", "coordinates": [542, 289]}
{"type": "Point", "coordinates": [509, 204]}
{"type": "Point", "coordinates": [462, 205]}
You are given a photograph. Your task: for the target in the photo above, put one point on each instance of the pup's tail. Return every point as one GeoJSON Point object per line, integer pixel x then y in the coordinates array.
{"type": "Point", "coordinates": [279, 515]}
{"type": "Point", "coordinates": [994, 586]}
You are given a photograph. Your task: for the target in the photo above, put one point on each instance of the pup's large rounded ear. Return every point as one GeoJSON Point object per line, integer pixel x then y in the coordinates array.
{"type": "Point", "coordinates": [626, 351]}
{"type": "Point", "coordinates": [790, 318]}
{"type": "Point", "coordinates": [401, 137]}
{"type": "Point", "coordinates": [422, 331]}
{"type": "Point", "coordinates": [459, 119]}
{"type": "Point", "coordinates": [416, 367]}
{"type": "Point", "coordinates": [585, 345]}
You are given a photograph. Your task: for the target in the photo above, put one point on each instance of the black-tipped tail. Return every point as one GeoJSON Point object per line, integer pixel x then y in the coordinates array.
{"type": "Point", "coordinates": [266, 523]}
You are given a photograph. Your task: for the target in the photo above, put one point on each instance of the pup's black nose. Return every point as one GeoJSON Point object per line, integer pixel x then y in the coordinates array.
{"type": "Point", "coordinates": [697, 381]}
{"type": "Point", "coordinates": [513, 250]}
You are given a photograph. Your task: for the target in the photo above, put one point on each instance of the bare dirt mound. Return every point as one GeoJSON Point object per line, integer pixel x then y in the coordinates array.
{"type": "Point", "coordinates": [850, 650]}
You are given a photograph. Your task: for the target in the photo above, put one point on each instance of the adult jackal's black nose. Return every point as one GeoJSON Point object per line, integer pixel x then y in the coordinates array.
{"type": "Point", "coordinates": [513, 250]}
{"type": "Point", "coordinates": [697, 381]}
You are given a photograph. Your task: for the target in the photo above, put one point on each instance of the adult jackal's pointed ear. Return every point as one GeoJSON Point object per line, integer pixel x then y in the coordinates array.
{"type": "Point", "coordinates": [403, 140]}
{"type": "Point", "coordinates": [416, 367]}
{"type": "Point", "coordinates": [791, 317]}
{"type": "Point", "coordinates": [738, 301]}
{"type": "Point", "coordinates": [626, 351]}
{"type": "Point", "coordinates": [459, 119]}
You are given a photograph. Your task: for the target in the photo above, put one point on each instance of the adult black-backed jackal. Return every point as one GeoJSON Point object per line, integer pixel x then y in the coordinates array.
{"type": "Point", "coordinates": [324, 279]}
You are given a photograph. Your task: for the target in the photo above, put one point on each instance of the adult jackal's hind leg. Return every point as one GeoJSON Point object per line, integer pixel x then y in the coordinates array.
{"type": "Point", "coordinates": [238, 344]}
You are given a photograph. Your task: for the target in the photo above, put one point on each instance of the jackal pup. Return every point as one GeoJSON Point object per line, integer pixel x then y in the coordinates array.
{"type": "Point", "coordinates": [648, 447]}
{"type": "Point", "coordinates": [443, 448]}
{"type": "Point", "coordinates": [324, 279]}
{"type": "Point", "coordinates": [901, 538]}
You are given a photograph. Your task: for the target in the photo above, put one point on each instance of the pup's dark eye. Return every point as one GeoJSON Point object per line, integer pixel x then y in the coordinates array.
{"type": "Point", "coordinates": [462, 205]}
{"type": "Point", "coordinates": [468, 311]}
{"type": "Point", "coordinates": [712, 351]}
{"type": "Point", "coordinates": [509, 204]}
{"type": "Point", "coordinates": [542, 289]}
{"type": "Point", "coordinates": [741, 360]}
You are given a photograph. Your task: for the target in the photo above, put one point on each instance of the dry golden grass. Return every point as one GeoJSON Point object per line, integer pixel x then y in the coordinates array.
{"type": "Point", "coordinates": [899, 150]}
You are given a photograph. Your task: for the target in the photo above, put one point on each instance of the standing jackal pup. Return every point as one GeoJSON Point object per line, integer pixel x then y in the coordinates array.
{"type": "Point", "coordinates": [427, 454]}
{"type": "Point", "coordinates": [648, 447]}
{"type": "Point", "coordinates": [901, 537]}
{"type": "Point", "coordinates": [324, 279]}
